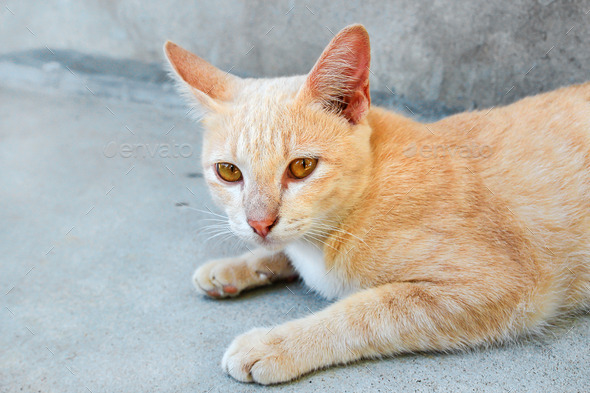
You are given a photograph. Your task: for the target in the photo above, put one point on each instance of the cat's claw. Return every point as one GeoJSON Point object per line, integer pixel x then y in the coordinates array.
{"type": "Point", "coordinates": [260, 355]}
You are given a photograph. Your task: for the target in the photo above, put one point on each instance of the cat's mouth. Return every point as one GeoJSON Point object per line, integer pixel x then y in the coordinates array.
{"type": "Point", "coordinates": [273, 241]}
{"type": "Point", "coordinates": [270, 242]}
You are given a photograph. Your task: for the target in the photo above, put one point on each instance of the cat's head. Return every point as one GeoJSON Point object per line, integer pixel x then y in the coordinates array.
{"type": "Point", "coordinates": [285, 157]}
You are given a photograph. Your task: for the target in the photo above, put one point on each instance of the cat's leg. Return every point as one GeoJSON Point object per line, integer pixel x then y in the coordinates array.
{"type": "Point", "coordinates": [390, 319]}
{"type": "Point", "coordinates": [230, 276]}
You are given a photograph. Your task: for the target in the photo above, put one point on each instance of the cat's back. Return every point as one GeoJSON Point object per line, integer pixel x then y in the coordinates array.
{"type": "Point", "coordinates": [538, 164]}
{"type": "Point", "coordinates": [563, 113]}
{"type": "Point", "coordinates": [533, 152]}
{"type": "Point", "coordinates": [538, 148]}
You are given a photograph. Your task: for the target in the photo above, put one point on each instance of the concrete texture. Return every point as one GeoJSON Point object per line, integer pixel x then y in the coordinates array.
{"type": "Point", "coordinates": [463, 54]}
{"type": "Point", "coordinates": [99, 239]}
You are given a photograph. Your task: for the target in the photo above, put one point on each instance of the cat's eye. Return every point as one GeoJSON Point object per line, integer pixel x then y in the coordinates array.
{"type": "Point", "coordinates": [302, 167]}
{"type": "Point", "coordinates": [228, 172]}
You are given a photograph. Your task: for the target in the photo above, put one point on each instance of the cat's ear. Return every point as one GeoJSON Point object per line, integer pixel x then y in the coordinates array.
{"type": "Point", "coordinates": [207, 83]}
{"type": "Point", "coordinates": [340, 79]}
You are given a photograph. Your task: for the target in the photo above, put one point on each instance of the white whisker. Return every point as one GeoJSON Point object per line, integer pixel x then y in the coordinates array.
{"type": "Point", "coordinates": [339, 230]}
{"type": "Point", "coordinates": [310, 242]}
{"type": "Point", "coordinates": [205, 211]}
{"type": "Point", "coordinates": [214, 219]}
{"type": "Point", "coordinates": [218, 234]}
{"type": "Point", "coordinates": [320, 241]}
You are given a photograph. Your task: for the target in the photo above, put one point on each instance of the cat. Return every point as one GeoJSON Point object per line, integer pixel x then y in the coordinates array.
{"type": "Point", "coordinates": [429, 243]}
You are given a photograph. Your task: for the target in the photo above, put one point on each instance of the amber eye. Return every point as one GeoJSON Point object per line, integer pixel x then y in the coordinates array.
{"type": "Point", "coordinates": [228, 172]}
{"type": "Point", "coordinates": [302, 167]}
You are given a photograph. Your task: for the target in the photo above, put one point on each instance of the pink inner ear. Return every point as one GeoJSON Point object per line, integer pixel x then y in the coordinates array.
{"type": "Point", "coordinates": [340, 78]}
{"type": "Point", "coordinates": [358, 103]}
{"type": "Point", "coordinates": [358, 106]}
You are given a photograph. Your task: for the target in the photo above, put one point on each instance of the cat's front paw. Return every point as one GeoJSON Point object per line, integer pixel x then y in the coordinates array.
{"type": "Point", "coordinates": [262, 356]}
{"type": "Point", "coordinates": [227, 277]}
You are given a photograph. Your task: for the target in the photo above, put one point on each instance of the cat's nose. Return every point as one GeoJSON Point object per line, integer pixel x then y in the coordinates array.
{"type": "Point", "coordinates": [263, 227]}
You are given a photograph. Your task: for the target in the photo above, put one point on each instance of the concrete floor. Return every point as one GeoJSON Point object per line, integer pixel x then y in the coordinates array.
{"type": "Point", "coordinates": [98, 243]}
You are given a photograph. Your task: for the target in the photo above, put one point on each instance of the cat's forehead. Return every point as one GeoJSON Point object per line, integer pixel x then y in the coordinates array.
{"type": "Point", "coordinates": [263, 100]}
{"type": "Point", "coordinates": [261, 116]}
{"type": "Point", "coordinates": [283, 88]}
{"type": "Point", "coordinates": [265, 123]}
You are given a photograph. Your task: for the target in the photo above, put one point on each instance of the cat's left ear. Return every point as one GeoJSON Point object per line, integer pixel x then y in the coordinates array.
{"type": "Point", "coordinates": [210, 85]}
{"type": "Point", "coordinates": [339, 81]}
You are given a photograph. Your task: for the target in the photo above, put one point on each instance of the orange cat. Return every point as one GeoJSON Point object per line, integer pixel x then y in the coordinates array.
{"type": "Point", "coordinates": [468, 231]}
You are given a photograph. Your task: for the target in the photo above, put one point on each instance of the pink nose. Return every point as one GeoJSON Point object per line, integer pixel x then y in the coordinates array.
{"type": "Point", "coordinates": [263, 227]}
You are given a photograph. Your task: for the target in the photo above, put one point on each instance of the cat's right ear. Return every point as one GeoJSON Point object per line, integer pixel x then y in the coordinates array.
{"type": "Point", "coordinates": [210, 85]}
{"type": "Point", "coordinates": [339, 81]}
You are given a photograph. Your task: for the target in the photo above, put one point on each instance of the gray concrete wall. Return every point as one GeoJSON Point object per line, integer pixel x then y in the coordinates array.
{"type": "Point", "coordinates": [462, 53]}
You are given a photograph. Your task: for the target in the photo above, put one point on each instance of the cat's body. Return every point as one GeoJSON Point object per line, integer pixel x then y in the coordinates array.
{"type": "Point", "coordinates": [486, 185]}
{"type": "Point", "coordinates": [471, 230]}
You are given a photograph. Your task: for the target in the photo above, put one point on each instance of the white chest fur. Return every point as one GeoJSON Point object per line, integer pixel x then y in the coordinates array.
{"type": "Point", "coordinates": [309, 262]}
